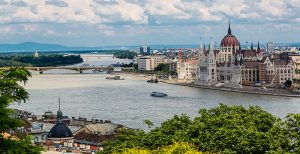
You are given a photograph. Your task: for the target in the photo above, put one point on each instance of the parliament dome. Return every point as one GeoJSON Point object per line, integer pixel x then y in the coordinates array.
{"type": "Point", "coordinates": [230, 40]}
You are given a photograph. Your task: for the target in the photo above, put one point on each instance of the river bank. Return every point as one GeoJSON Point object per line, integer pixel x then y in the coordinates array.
{"type": "Point", "coordinates": [249, 91]}
{"type": "Point", "coordinates": [246, 89]}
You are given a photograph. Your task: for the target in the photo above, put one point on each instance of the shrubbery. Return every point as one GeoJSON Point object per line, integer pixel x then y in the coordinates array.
{"type": "Point", "coordinates": [225, 129]}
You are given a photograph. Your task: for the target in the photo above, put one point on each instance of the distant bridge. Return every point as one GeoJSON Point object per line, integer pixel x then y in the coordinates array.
{"type": "Point", "coordinates": [79, 69]}
{"type": "Point", "coordinates": [98, 56]}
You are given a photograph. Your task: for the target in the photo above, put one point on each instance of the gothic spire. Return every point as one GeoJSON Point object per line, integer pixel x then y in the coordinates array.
{"type": "Point", "coordinates": [59, 112]}
{"type": "Point", "coordinates": [211, 46]}
{"type": "Point", "coordinates": [251, 45]}
{"type": "Point", "coordinates": [258, 47]}
{"type": "Point", "coordinates": [200, 43]}
{"type": "Point", "coordinates": [229, 29]}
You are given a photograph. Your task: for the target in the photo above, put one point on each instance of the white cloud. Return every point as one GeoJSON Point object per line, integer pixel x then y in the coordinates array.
{"type": "Point", "coordinates": [106, 30]}
{"type": "Point", "coordinates": [140, 12]}
{"type": "Point", "coordinates": [129, 18]}
{"type": "Point", "coordinates": [5, 30]}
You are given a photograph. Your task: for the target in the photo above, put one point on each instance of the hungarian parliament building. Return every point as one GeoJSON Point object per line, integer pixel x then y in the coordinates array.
{"type": "Point", "coordinates": [232, 64]}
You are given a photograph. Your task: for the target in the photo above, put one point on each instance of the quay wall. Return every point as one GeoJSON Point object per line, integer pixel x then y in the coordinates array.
{"type": "Point", "coordinates": [232, 90]}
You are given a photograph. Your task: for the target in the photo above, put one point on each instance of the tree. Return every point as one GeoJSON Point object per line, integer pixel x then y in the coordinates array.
{"type": "Point", "coordinates": [125, 54]}
{"type": "Point", "coordinates": [44, 60]}
{"type": "Point", "coordinates": [285, 135]}
{"type": "Point", "coordinates": [232, 129]}
{"type": "Point", "coordinates": [149, 123]}
{"type": "Point", "coordinates": [170, 131]}
{"type": "Point", "coordinates": [176, 148]}
{"type": "Point", "coordinates": [162, 67]}
{"type": "Point", "coordinates": [12, 91]}
{"type": "Point", "coordinates": [223, 129]}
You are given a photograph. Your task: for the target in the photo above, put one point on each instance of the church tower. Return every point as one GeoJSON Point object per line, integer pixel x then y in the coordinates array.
{"type": "Point", "coordinates": [60, 131]}
{"type": "Point", "coordinates": [212, 67]}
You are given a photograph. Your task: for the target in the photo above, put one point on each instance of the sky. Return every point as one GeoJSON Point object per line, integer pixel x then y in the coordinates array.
{"type": "Point", "coordinates": [147, 22]}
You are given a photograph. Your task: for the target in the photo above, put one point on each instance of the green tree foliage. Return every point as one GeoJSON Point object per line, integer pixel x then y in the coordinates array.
{"type": "Point", "coordinates": [125, 54]}
{"type": "Point", "coordinates": [234, 129]}
{"type": "Point", "coordinates": [175, 148]}
{"type": "Point", "coordinates": [164, 69]}
{"type": "Point", "coordinates": [19, 146]}
{"type": "Point", "coordinates": [149, 123]}
{"type": "Point", "coordinates": [223, 129]}
{"type": "Point", "coordinates": [42, 61]}
{"type": "Point", "coordinates": [170, 131]}
{"type": "Point", "coordinates": [286, 135]}
{"type": "Point", "coordinates": [12, 91]}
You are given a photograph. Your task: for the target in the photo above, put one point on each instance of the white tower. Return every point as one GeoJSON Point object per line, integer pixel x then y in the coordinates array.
{"type": "Point", "coordinates": [36, 55]}
{"type": "Point", "coordinates": [212, 67]}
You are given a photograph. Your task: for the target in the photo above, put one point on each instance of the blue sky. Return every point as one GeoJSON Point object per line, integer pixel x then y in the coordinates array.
{"type": "Point", "coordinates": [143, 22]}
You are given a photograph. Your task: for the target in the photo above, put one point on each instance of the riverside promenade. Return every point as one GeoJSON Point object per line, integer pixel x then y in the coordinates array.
{"type": "Point", "coordinates": [255, 90]}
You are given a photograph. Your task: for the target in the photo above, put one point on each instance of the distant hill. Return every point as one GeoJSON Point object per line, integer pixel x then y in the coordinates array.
{"type": "Point", "coordinates": [33, 46]}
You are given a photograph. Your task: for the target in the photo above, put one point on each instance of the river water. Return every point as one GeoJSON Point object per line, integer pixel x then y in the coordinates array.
{"type": "Point", "coordinates": [128, 101]}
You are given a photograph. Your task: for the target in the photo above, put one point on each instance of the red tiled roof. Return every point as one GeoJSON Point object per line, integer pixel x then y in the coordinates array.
{"type": "Point", "coordinates": [96, 138]}
{"type": "Point", "coordinates": [249, 53]}
{"type": "Point", "coordinates": [251, 63]}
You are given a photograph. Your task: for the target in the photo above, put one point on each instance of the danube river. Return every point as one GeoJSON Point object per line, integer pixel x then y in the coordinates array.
{"type": "Point", "coordinates": [129, 102]}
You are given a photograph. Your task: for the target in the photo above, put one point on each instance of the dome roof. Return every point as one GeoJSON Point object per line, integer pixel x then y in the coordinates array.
{"type": "Point", "coordinates": [60, 130]}
{"type": "Point", "coordinates": [230, 40]}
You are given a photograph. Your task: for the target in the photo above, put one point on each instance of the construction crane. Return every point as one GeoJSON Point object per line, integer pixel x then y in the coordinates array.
{"type": "Point", "coordinates": [276, 72]}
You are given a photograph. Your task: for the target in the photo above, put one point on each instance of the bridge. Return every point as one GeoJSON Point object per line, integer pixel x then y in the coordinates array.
{"type": "Point", "coordinates": [97, 56]}
{"type": "Point", "coordinates": [79, 69]}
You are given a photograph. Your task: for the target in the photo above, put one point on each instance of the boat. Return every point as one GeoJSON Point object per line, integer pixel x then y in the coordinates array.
{"type": "Point", "coordinates": [116, 77]}
{"type": "Point", "coordinates": [152, 81]}
{"type": "Point", "coordinates": [158, 94]}
{"type": "Point", "coordinates": [85, 65]}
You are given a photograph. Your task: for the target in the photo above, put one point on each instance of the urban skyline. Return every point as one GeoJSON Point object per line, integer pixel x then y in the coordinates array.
{"type": "Point", "coordinates": [104, 22]}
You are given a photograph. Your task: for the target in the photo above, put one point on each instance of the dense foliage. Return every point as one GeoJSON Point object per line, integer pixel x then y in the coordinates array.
{"type": "Point", "coordinates": [176, 148]}
{"type": "Point", "coordinates": [225, 129]}
{"type": "Point", "coordinates": [123, 65]}
{"type": "Point", "coordinates": [164, 69]}
{"type": "Point", "coordinates": [44, 60]}
{"type": "Point", "coordinates": [20, 146]}
{"type": "Point", "coordinates": [12, 91]}
{"type": "Point", "coordinates": [125, 54]}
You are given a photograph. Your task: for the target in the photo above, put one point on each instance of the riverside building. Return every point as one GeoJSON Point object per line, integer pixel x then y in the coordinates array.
{"type": "Point", "coordinates": [235, 66]}
{"type": "Point", "coordinates": [149, 63]}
